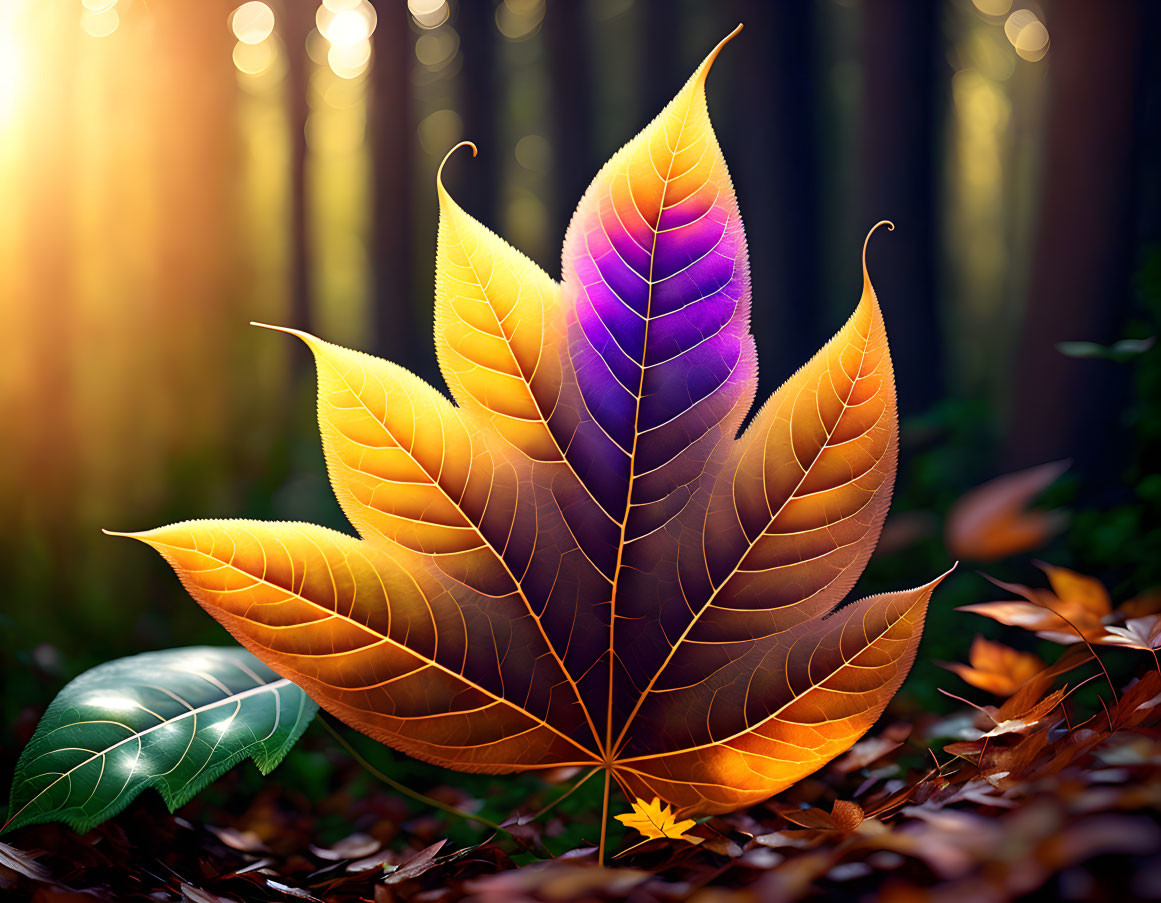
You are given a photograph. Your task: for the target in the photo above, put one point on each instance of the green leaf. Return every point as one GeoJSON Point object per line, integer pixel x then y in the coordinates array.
{"type": "Point", "coordinates": [172, 720]}
{"type": "Point", "coordinates": [1121, 351]}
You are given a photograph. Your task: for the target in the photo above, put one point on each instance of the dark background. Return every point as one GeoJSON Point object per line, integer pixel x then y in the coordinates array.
{"type": "Point", "coordinates": [155, 197]}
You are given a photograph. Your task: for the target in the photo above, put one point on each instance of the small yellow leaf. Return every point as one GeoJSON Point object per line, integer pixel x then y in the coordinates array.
{"type": "Point", "coordinates": [655, 821]}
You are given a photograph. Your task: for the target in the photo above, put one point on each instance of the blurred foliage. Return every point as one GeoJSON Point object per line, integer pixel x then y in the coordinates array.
{"type": "Point", "coordinates": [1122, 537]}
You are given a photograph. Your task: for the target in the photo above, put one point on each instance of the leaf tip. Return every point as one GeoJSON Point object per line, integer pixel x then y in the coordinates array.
{"type": "Point", "coordinates": [866, 242]}
{"type": "Point", "coordinates": [312, 342]}
{"type": "Point", "coordinates": [274, 328]}
{"type": "Point", "coordinates": [439, 172]}
{"type": "Point", "coordinates": [145, 536]}
{"type": "Point", "coordinates": [708, 62]}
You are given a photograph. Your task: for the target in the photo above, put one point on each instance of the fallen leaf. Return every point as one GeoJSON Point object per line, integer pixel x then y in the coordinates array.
{"type": "Point", "coordinates": [1137, 633]}
{"type": "Point", "coordinates": [654, 822]}
{"type": "Point", "coordinates": [22, 863]}
{"type": "Point", "coordinates": [847, 815]}
{"type": "Point", "coordinates": [416, 865]}
{"type": "Point", "coordinates": [244, 841]}
{"type": "Point", "coordinates": [1140, 701]}
{"type": "Point", "coordinates": [1077, 591]}
{"type": "Point", "coordinates": [870, 749]}
{"type": "Point", "coordinates": [355, 846]}
{"type": "Point", "coordinates": [1071, 613]}
{"type": "Point", "coordinates": [997, 668]}
{"type": "Point", "coordinates": [1147, 603]}
{"type": "Point", "coordinates": [191, 894]}
{"type": "Point", "coordinates": [292, 891]}
{"type": "Point", "coordinates": [994, 520]}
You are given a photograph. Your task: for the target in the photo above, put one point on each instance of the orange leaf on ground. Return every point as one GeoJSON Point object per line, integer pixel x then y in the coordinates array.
{"type": "Point", "coordinates": [994, 521]}
{"type": "Point", "coordinates": [1073, 611]}
{"type": "Point", "coordinates": [997, 668]}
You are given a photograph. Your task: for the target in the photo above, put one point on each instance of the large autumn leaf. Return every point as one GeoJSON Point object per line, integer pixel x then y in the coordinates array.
{"type": "Point", "coordinates": [577, 560]}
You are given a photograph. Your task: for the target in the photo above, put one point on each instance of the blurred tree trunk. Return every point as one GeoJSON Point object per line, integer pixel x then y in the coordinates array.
{"type": "Point", "coordinates": [571, 72]}
{"type": "Point", "coordinates": [392, 136]}
{"type": "Point", "coordinates": [297, 20]}
{"type": "Point", "coordinates": [51, 447]}
{"type": "Point", "coordinates": [1147, 137]}
{"type": "Point", "coordinates": [1078, 287]}
{"type": "Point", "coordinates": [194, 135]}
{"type": "Point", "coordinates": [777, 179]}
{"type": "Point", "coordinates": [905, 80]}
{"type": "Point", "coordinates": [477, 194]}
{"type": "Point", "coordinates": [661, 67]}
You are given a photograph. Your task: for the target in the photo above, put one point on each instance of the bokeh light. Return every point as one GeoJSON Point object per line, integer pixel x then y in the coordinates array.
{"type": "Point", "coordinates": [993, 7]}
{"type": "Point", "coordinates": [1027, 34]}
{"type": "Point", "coordinates": [102, 23]}
{"type": "Point", "coordinates": [348, 26]}
{"type": "Point", "coordinates": [439, 131]}
{"type": "Point", "coordinates": [519, 20]}
{"type": "Point", "coordinates": [349, 60]}
{"type": "Point", "coordinates": [534, 153]}
{"type": "Point", "coordinates": [317, 47]}
{"type": "Point", "coordinates": [255, 59]}
{"type": "Point", "coordinates": [253, 22]}
{"type": "Point", "coordinates": [428, 13]}
{"type": "Point", "coordinates": [435, 49]}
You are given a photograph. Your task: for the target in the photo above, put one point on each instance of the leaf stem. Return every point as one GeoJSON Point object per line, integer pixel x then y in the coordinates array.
{"type": "Point", "coordinates": [560, 799]}
{"type": "Point", "coordinates": [401, 788]}
{"type": "Point", "coordinates": [604, 820]}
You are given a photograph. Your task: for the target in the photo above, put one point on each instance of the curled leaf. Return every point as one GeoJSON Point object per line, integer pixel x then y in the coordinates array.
{"type": "Point", "coordinates": [1137, 633]}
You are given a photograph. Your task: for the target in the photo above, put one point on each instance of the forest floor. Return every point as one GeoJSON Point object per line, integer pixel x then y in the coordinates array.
{"type": "Point", "coordinates": [1033, 798]}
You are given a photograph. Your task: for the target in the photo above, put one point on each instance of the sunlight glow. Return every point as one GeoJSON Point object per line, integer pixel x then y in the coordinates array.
{"type": "Point", "coordinates": [100, 24]}
{"type": "Point", "coordinates": [132, 762]}
{"type": "Point", "coordinates": [113, 702]}
{"type": "Point", "coordinates": [195, 663]}
{"type": "Point", "coordinates": [11, 69]}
